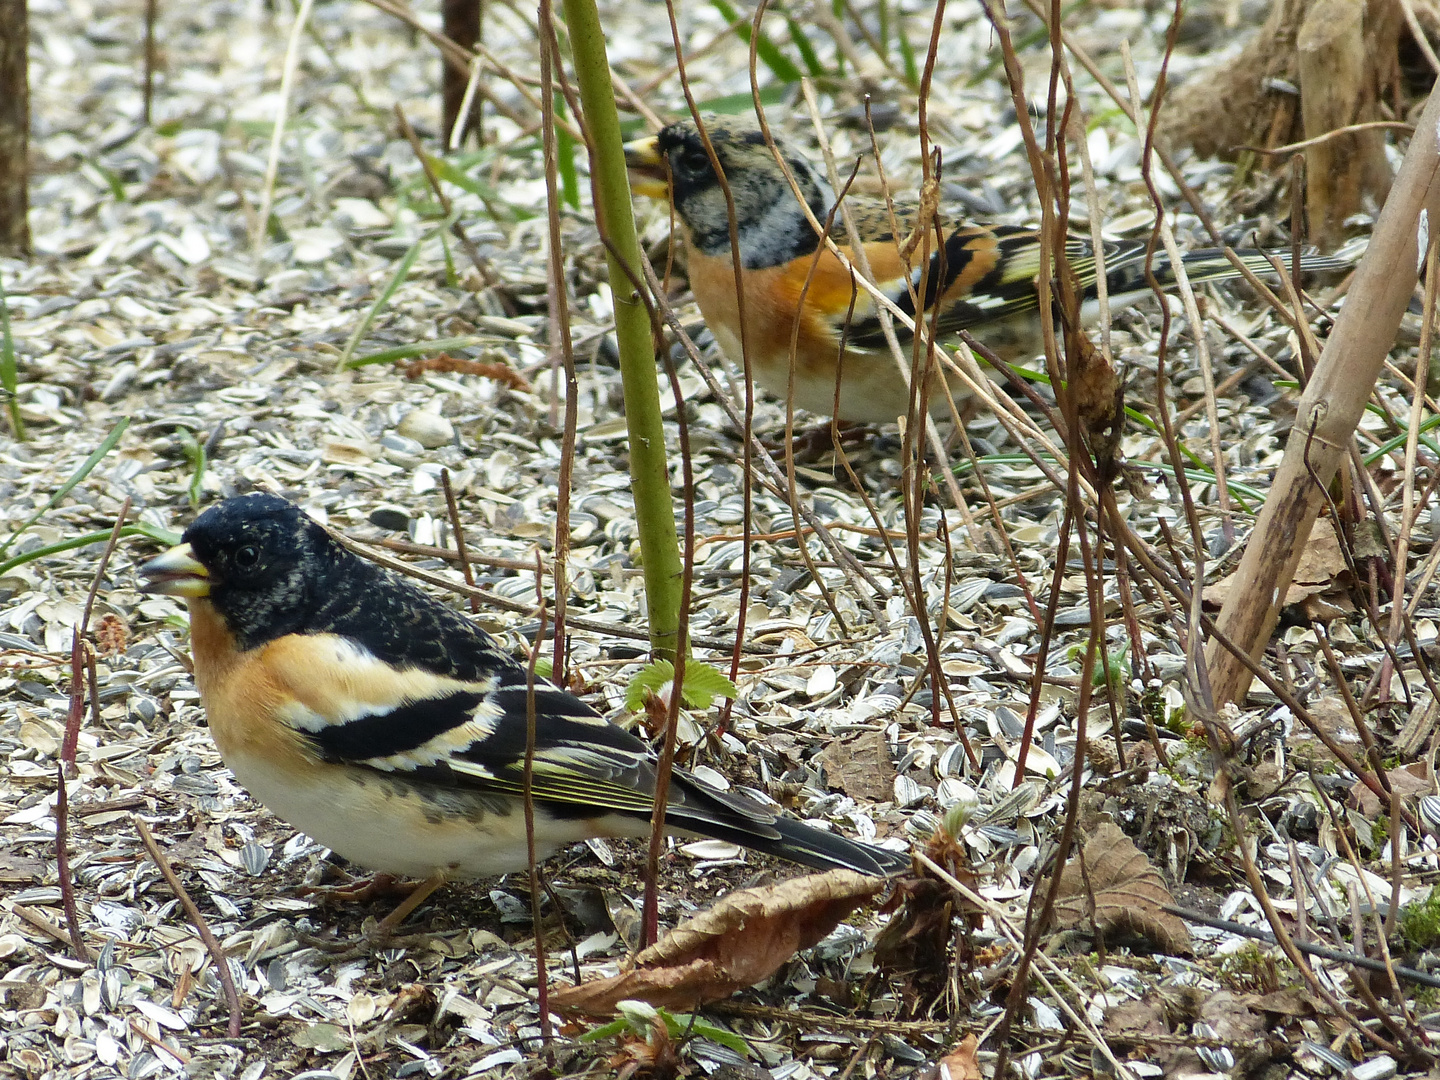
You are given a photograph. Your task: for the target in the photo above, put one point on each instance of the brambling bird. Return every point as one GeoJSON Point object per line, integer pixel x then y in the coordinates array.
{"type": "Point", "coordinates": [390, 728]}
{"type": "Point", "coordinates": [983, 280]}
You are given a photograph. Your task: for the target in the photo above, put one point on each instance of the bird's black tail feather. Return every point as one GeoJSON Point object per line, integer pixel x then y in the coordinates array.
{"type": "Point", "coordinates": [821, 850]}
{"type": "Point", "coordinates": [1125, 268]}
{"type": "Point", "coordinates": [697, 808]}
{"type": "Point", "coordinates": [786, 838]}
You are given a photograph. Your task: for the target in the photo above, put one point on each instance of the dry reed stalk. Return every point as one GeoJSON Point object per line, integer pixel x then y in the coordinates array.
{"type": "Point", "coordinates": [1329, 410]}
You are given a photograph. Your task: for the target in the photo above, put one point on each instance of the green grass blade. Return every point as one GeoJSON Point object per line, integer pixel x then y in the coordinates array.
{"type": "Point", "coordinates": [78, 475]}
{"type": "Point", "coordinates": [907, 53]}
{"type": "Point", "coordinates": [497, 207]}
{"type": "Point", "coordinates": [452, 281]}
{"type": "Point", "coordinates": [734, 104]}
{"type": "Point", "coordinates": [406, 261]}
{"type": "Point", "coordinates": [417, 348]}
{"type": "Point", "coordinates": [9, 380]}
{"type": "Point", "coordinates": [769, 53]}
{"type": "Point", "coordinates": [1389, 446]}
{"type": "Point", "coordinates": [163, 536]}
{"type": "Point", "coordinates": [804, 48]}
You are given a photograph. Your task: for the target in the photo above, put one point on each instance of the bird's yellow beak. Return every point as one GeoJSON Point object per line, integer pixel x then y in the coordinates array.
{"type": "Point", "coordinates": [176, 573]}
{"type": "Point", "coordinates": [649, 174]}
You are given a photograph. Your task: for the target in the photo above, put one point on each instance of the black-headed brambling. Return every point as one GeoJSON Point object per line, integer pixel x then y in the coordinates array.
{"type": "Point", "coordinates": [390, 728]}
{"type": "Point", "coordinates": [982, 281]}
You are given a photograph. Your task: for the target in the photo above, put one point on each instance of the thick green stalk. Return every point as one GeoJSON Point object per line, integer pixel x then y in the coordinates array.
{"type": "Point", "coordinates": [649, 477]}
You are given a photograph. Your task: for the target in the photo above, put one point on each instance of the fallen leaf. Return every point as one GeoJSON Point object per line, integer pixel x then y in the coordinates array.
{"type": "Point", "coordinates": [742, 940]}
{"type": "Point", "coordinates": [860, 767]}
{"type": "Point", "coordinates": [1112, 885]}
{"type": "Point", "coordinates": [1411, 782]}
{"type": "Point", "coordinates": [962, 1063]}
{"type": "Point", "coordinates": [1126, 1022]}
{"type": "Point", "coordinates": [1235, 1017]}
{"type": "Point", "coordinates": [1288, 1002]}
{"type": "Point", "coordinates": [326, 1038]}
{"type": "Point", "coordinates": [1321, 560]}
{"type": "Point", "coordinates": [1321, 563]}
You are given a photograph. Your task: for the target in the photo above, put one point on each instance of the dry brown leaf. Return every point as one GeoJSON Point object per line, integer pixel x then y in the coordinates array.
{"type": "Point", "coordinates": [1137, 1017]}
{"type": "Point", "coordinates": [962, 1063]}
{"type": "Point", "coordinates": [1321, 563]}
{"type": "Point", "coordinates": [1411, 782]}
{"type": "Point", "coordinates": [1235, 1017]}
{"type": "Point", "coordinates": [1290, 1002]}
{"type": "Point", "coordinates": [739, 942]}
{"type": "Point", "coordinates": [1093, 384]}
{"type": "Point", "coordinates": [861, 767]}
{"type": "Point", "coordinates": [1112, 884]}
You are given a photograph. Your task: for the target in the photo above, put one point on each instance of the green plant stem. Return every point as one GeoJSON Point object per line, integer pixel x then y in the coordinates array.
{"type": "Point", "coordinates": [649, 477]}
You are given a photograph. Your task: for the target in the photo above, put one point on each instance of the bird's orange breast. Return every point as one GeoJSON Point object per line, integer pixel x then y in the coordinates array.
{"type": "Point", "coordinates": [242, 694]}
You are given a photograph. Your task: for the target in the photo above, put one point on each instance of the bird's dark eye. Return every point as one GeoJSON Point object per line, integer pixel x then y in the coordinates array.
{"type": "Point", "coordinates": [693, 160]}
{"type": "Point", "coordinates": [247, 557]}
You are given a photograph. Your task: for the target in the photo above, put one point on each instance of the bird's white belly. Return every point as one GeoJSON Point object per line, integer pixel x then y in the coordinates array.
{"type": "Point", "coordinates": [872, 392]}
{"type": "Point", "coordinates": [377, 821]}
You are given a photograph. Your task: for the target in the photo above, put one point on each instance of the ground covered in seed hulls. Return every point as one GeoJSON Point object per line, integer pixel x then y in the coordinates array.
{"type": "Point", "coordinates": [151, 312]}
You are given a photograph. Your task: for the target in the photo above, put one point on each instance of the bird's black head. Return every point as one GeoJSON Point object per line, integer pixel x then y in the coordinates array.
{"type": "Point", "coordinates": [260, 560]}
{"type": "Point", "coordinates": [765, 212]}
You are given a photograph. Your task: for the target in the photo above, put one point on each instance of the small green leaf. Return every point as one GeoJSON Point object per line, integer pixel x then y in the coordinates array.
{"type": "Point", "coordinates": [194, 451]}
{"type": "Point", "coordinates": [673, 1026]}
{"type": "Point", "coordinates": [565, 151]}
{"type": "Point", "coordinates": [727, 1039]}
{"type": "Point", "coordinates": [8, 377]}
{"type": "Point", "coordinates": [605, 1031]}
{"type": "Point", "coordinates": [544, 667]}
{"type": "Point", "coordinates": [651, 677]}
{"type": "Point", "coordinates": [704, 683]}
{"type": "Point", "coordinates": [640, 1015]}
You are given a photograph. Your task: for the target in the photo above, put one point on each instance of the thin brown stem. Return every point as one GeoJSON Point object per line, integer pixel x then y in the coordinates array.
{"type": "Point", "coordinates": [527, 797]}
{"type": "Point", "coordinates": [452, 508]}
{"type": "Point", "coordinates": [62, 866]}
{"type": "Point", "coordinates": [217, 955]}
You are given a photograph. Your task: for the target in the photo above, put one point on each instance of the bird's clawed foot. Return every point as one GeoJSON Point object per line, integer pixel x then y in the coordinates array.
{"type": "Point", "coordinates": [361, 889]}
{"type": "Point", "coordinates": [813, 443]}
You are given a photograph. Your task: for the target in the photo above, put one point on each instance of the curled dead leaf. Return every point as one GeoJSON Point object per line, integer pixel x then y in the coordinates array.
{"type": "Point", "coordinates": [739, 942]}
{"type": "Point", "coordinates": [962, 1063]}
{"type": "Point", "coordinates": [1111, 885]}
